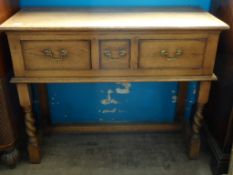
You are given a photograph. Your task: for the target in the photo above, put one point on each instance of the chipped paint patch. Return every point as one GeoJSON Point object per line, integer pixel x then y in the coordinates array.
{"type": "Point", "coordinates": [114, 110]}
{"type": "Point", "coordinates": [174, 99]}
{"type": "Point", "coordinates": [125, 88]}
{"type": "Point", "coordinates": [173, 91]}
{"type": "Point", "coordinates": [174, 96]}
{"type": "Point", "coordinates": [194, 91]}
{"type": "Point", "coordinates": [109, 99]}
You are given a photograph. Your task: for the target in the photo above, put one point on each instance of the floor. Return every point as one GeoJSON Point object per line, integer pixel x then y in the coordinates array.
{"type": "Point", "coordinates": [114, 154]}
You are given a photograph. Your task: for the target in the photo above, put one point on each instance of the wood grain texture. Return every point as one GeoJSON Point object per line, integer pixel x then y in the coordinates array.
{"type": "Point", "coordinates": [113, 53]}
{"type": "Point", "coordinates": [95, 62]}
{"type": "Point", "coordinates": [115, 79]}
{"type": "Point", "coordinates": [77, 55]}
{"type": "Point", "coordinates": [195, 141]}
{"type": "Point", "coordinates": [33, 141]}
{"type": "Point", "coordinates": [192, 53]}
{"type": "Point", "coordinates": [111, 128]}
{"type": "Point", "coordinates": [113, 18]}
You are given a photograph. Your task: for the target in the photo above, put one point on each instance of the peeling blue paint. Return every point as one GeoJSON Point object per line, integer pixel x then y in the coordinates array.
{"type": "Point", "coordinates": [109, 99]}
{"type": "Point", "coordinates": [125, 88]}
{"type": "Point", "coordinates": [81, 103]}
{"type": "Point", "coordinates": [109, 110]}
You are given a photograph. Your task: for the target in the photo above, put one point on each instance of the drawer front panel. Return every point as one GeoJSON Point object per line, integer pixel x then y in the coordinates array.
{"type": "Point", "coordinates": [56, 55]}
{"type": "Point", "coordinates": [171, 53]}
{"type": "Point", "coordinates": [111, 54]}
{"type": "Point", "coordinates": [114, 54]}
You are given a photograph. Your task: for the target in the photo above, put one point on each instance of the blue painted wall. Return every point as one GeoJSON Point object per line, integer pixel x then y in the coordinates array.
{"type": "Point", "coordinates": [110, 102]}
{"type": "Point", "coordinates": [116, 102]}
{"type": "Point", "coordinates": [202, 3]}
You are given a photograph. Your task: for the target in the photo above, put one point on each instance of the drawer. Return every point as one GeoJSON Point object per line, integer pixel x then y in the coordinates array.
{"type": "Point", "coordinates": [171, 53]}
{"type": "Point", "coordinates": [56, 55]}
{"type": "Point", "coordinates": [114, 54]}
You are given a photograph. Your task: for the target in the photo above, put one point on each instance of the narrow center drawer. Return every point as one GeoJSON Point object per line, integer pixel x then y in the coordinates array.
{"type": "Point", "coordinates": [114, 54]}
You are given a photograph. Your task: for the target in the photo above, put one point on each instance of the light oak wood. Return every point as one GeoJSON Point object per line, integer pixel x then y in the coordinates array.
{"type": "Point", "coordinates": [134, 53]}
{"type": "Point", "coordinates": [76, 55]}
{"type": "Point", "coordinates": [114, 54]}
{"type": "Point", "coordinates": [111, 128]}
{"type": "Point", "coordinates": [195, 141]}
{"type": "Point", "coordinates": [101, 53]}
{"type": "Point", "coordinates": [33, 142]}
{"type": "Point", "coordinates": [113, 45]}
{"type": "Point", "coordinates": [113, 18]}
{"type": "Point", "coordinates": [95, 54]}
{"type": "Point", "coordinates": [192, 53]}
{"type": "Point", "coordinates": [115, 79]}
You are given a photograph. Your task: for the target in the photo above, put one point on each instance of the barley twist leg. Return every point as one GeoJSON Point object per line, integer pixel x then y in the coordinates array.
{"type": "Point", "coordinates": [26, 103]}
{"type": "Point", "coordinates": [195, 141]}
{"type": "Point", "coordinates": [198, 118]}
{"type": "Point", "coordinates": [30, 126]}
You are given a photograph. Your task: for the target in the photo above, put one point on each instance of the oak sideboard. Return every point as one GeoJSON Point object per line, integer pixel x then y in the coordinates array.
{"type": "Point", "coordinates": [112, 45]}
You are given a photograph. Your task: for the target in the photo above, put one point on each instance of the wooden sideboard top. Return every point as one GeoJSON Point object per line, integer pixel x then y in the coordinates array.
{"type": "Point", "coordinates": [113, 18]}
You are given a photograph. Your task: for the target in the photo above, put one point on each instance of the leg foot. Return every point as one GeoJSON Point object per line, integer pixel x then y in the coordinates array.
{"type": "Point", "coordinates": [34, 153]}
{"type": "Point", "coordinates": [194, 147]}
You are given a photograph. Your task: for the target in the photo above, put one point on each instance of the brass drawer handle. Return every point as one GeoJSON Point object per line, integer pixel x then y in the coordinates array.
{"type": "Point", "coordinates": [108, 53]}
{"type": "Point", "coordinates": [122, 52]}
{"type": "Point", "coordinates": [49, 53]}
{"type": "Point", "coordinates": [165, 53]}
{"type": "Point", "coordinates": [63, 53]}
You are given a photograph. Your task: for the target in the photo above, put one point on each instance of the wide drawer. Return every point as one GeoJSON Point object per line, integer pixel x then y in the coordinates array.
{"type": "Point", "coordinates": [56, 55]}
{"type": "Point", "coordinates": [171, 53]}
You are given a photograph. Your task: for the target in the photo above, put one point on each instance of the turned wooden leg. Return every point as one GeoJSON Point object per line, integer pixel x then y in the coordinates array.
{"type": "Point", "coordinates": [195, 141]}
{"type": "Point", "coordinates": [33, 142]}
